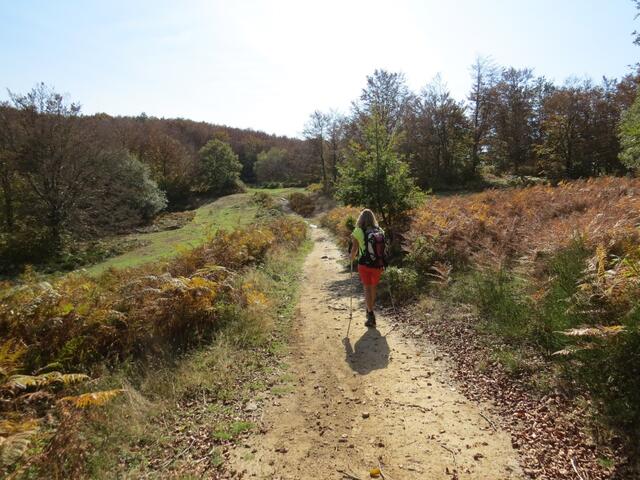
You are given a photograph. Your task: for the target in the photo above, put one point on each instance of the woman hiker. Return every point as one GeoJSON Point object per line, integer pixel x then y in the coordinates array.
{"type": "Point", "coordinates": [368, 247]}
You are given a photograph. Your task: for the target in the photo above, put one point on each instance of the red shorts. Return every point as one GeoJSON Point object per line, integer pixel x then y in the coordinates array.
{"type": "Point", "coordinates": [369, 275]}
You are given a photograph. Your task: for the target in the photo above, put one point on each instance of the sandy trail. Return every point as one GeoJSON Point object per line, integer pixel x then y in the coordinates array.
{"type": "Point", "coordinates": [417, 425]}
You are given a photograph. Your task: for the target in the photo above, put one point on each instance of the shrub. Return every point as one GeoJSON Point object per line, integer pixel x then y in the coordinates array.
{"type": "Point", "coordinates": [263, 200]}
{"type": "Point", "coordinates": [497, 227]}
{"type": "Point", "coordinates": [401, 284]}
{"type": "Point", "coordinates": [301, 204]}
{"type": "Point", "coordinates": [219, 168]}
{"type": "Point", "coordinates": [315, 188]}
{"type": "Point", "coordinates": [341, 222]}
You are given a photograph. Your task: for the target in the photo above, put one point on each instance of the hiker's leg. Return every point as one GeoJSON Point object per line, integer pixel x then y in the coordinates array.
{"type": "Point", "coordinates": [372, 296]}
{"type": "Point", "coordinates": [365, 287]}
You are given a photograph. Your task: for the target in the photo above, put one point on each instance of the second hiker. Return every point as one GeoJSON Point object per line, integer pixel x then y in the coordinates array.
{"type": "Point", "coordinates": [368, 247]}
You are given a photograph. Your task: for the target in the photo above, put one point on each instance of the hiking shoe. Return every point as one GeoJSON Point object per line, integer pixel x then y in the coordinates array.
{"type": "Point", "coordinates": [371, 320]}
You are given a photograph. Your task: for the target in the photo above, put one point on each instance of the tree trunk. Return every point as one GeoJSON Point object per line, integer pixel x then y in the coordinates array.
{"type": "Point", "coordinates": [325, 185]}
{"type": "Point", "coordinates": [7, 195]}
{"type": "Point", "coordinates": [334, 169]}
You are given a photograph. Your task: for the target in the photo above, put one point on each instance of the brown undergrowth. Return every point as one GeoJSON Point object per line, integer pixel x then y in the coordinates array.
{"type": "Point", "coordinates": [552, 271]}
{"type": "Point", "coordinates": [57, 334]}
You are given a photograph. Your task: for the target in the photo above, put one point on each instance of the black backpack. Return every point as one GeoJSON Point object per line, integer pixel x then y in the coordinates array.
{"type": "Point", "coordinates": [375, 248]}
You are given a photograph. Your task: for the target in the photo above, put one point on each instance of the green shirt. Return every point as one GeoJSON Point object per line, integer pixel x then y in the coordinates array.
{"type": "Point", "coordinates": [358, 234]}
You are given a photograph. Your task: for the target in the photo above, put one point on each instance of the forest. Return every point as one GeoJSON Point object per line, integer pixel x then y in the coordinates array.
{"type": "Point", "coordinates": [68, 178]}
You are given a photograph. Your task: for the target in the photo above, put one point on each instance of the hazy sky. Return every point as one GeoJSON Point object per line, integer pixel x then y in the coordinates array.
{"type": "Point", "coordinates": [268, 64]}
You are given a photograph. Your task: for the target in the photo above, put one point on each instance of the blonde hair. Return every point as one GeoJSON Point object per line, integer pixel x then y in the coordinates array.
{"type": "Point", "coordinates": [366, 220]}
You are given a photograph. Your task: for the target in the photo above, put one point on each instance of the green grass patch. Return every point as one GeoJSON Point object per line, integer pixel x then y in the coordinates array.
{"type": "Point", "coordinates": [511, 360]}
{"type": "Point", "coordinates": [231, 430]}
{"type": "Point", "coordinates": [282, 390]}
{"type": "Point", "coordinates": [224, 213]}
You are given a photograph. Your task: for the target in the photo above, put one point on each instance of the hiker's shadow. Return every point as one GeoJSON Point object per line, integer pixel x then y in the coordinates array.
{"type": "Point", "coordinates": [370, 352]}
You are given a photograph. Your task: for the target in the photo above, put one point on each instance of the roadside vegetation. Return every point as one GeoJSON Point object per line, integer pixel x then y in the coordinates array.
{"type": "Point", "coordinates": [120, 328]}
{"type": "Point", "coordinates": [553, 274]}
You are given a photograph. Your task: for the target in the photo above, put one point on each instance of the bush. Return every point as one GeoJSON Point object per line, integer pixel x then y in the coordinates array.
{"type": "Point", "coordinates": [400, 284]}
{"type": "Point", "coordinates": [219, 168]}
{"type": "Point", "coordinates": [315, 188]}
{"type": "Point", "coordinates": [341, 222]}
{"type": "Point", "coordinates": [79, 321]}
{"type": "Point", "coordinates": [301, 204]}
{"type": "Point", "coordinates": [263, 200]}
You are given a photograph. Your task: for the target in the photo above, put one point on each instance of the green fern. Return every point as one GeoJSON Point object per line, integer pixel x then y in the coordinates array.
{"type": "Point", "coordinates": [23, 382]}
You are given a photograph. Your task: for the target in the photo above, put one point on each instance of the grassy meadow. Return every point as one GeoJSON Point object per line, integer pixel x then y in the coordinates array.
{"type": "Point", "coordinates": [224, 213]}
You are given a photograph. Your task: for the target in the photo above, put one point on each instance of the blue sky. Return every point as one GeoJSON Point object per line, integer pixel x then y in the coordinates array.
{"type": "Point", "coordinates": [268, 64]}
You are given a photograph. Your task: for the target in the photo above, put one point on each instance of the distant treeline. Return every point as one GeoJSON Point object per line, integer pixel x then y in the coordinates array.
{"type": "Point", "coordinates": [512, 122]}
{"type": "Point", "coordinates": [65, 176]}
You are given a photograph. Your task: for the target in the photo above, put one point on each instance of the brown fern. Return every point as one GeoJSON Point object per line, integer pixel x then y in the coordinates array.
{"type": "Point", "coordinates": [92, 399]}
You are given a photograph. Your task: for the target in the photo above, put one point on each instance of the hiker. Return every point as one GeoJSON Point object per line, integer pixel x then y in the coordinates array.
{"type": "Point", "coordinates": [368, 245]}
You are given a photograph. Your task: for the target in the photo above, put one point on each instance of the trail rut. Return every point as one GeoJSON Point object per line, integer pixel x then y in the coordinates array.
{"type": "Point", "coordinates": [367, 401]}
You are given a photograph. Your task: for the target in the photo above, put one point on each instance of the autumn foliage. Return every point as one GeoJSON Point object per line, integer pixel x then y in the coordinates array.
{"type": "Point", "coordinates": [556, 269]}
{"type": "Point", "coordinates": [79, 323]}
{"type": "Point", "coordinates": [341, 221]}
{"type": "Point", "coordinates": [504, 226]}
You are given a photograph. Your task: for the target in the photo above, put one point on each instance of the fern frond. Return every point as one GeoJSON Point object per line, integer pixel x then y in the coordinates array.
{"type": "Point", "coordinates": [71, 378]}
{"type": "Point", "coordinates": [14, 446]}
{"type": "Point", "coordinates": [8, 427]}
{"type": "Point", "coordinates": [22, 382]}
{"type": "Point", "coordinates": [571, 349]}
{"type": "Point", "coordinates": [601, 332]}
{"type": "Point", "coordinates": [11, 351]}
{"type": "Point", "coordinates": [93, 399]}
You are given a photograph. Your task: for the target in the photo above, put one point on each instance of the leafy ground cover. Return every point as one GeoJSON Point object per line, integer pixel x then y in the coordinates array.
{"type": "Point", "coordinates": [128, 329]}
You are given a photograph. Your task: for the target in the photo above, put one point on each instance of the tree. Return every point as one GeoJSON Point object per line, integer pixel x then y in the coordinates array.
{"type": "Point", "coordinates": [219, 168]}
{"type": "Point", "coordinates": [54, 155]}
{"type": "Point", "coordinates": [272, 166]}
{"type": "Point", "coordinates": [130, 185]}
{"type": "Point", "coordinates": [386, 97]}
{"type": "Point", "coordinates": [481, 102]}
{"type": "Point", "coordinates": [511, 141]}
{"type": "Point", "coordinates": [315, 131]}
{"type": "Point", "coordinates": [375, 175]}
{"type": "Point", "coordinates": [440, 136]}
{"type": "Point", "coordinates": [8, 154]}
{"type": "Point", "coordinates": [629, 134]}
{"type": "Point", "coordinates": [336, 137]}
{"type": "Point", "coordinates": [578, 126]}
{"type": "Point", "coordinates": [564, 146]}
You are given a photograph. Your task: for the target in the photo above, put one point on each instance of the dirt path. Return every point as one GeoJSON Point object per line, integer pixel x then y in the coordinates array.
{"type": "Point", "coordinates": [368, 400]}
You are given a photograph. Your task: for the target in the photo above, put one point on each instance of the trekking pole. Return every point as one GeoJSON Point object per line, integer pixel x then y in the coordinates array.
{"type": "Point", "coordinates": [350, 294]}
